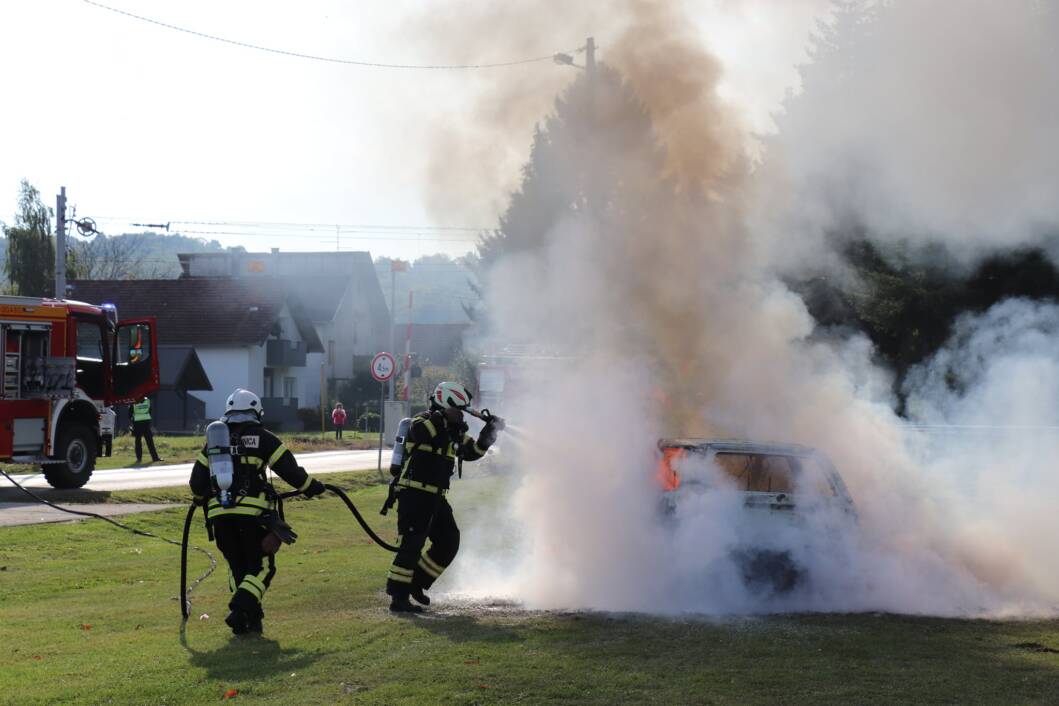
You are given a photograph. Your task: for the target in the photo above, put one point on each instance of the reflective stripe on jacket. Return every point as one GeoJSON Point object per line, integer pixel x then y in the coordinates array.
{"type": "Point", "coordinates": [258, 448]}
{"type": "Point", "coordinates": [431, 452]}
{"type": "Point", "coordinates": [252, 505]}
{"type": "Point", "coordinates": [141, 411]}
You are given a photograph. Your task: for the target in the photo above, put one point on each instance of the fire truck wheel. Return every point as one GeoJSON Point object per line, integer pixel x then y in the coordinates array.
{"type": "Point", "coordinates": [77, 449]}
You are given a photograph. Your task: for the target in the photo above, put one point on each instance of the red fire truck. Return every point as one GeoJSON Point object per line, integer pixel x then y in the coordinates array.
{"type": "Point", "coordinates": [64, 363]}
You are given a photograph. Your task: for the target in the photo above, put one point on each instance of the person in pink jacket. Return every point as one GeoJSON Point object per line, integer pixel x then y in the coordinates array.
{"type": "Point", "coordinates": [338, 418]}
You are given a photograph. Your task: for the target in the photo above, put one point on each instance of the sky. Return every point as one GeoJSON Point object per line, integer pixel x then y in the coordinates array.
{"type": "Point", "coordinates": [144, 124]}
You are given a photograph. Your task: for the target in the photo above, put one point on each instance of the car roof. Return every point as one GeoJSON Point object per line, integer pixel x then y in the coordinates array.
{"type": "Point", "coordinates": [738, 446]}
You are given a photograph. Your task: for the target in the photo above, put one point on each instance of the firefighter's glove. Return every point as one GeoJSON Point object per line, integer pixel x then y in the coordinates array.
{"type": "Point", "coordinates": [282, 530]}
{"type": "Point", "coordinates": [279, 533]}
{"type": "Point", "coordinates": [456, 432]}
{"type": "Point", "coordinates": [315, 488]}
{"type": "Point", "coordinates": [487, 437]}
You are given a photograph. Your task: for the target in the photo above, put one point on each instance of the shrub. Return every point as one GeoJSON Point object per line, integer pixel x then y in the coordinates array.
{"type": "Point", "coordinates": [309, 417]}
{"type": "Point", "coordinates": [369, 421]}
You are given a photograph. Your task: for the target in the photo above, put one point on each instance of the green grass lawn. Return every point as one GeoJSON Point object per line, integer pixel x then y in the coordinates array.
{"type": "Point", "coordinates": [89, 614]}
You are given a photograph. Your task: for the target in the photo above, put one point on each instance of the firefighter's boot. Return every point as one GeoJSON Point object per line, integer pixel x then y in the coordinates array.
{"type": "Point", "coordinates": [401, 604]}
{"type": "Point", "coordinates": [239, 622]}
{"type": "Point", "coordinates": [420, 596]}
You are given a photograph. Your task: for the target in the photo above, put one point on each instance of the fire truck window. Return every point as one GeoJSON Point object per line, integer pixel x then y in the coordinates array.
{"type": "Point", "coordinates": [89, 342]}
{"type": "Point", "coordinates": [133, 369]}
{"type": "Point", "coordinates": [89, 370]}
{"type": "Point", "coordinates": [761, 473]}
{"type": "Point", "coordinates": [134, 344]}
{"type": "Point", "coordinates": [25, 363]}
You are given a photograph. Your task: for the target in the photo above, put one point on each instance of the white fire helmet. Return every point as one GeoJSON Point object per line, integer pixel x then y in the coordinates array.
{"type": "Point", "coordinates": [451, 394]}
{"type": "Point", "coordinates": [243, 401]}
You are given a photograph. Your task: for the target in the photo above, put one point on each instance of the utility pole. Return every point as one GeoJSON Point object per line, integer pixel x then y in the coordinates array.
{"type": "Point", "coordinates": [393, 305]}
{"type": "Point", "coordinates": [395, 267]}
{"type": "Point", "coordinates": [408, 352]}
{"type": "Point", "coordinates": [590, 55]}
{"type": "Point", "coordinates": [323, 393]}
{"type": "Point", "coordinates": [60, 244]}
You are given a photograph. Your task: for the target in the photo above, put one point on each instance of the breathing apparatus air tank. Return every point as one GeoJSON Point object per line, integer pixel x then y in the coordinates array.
{"type": "Point", "coordinates": [398, 457]}
{"type": "Point", "coordinates": [219, 454]}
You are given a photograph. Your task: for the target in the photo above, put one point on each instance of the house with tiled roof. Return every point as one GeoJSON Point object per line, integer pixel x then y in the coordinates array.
{"type": "Point", "coordinates": [252, 333]}
{"type": "Point", "coordinates": [339, 290]}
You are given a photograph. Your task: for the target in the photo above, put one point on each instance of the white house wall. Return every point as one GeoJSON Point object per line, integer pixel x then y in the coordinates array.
{"type": "Point", "coordinates": [342, 334]}
{"type": "Point", "coordinates": [307, 377]}
{"type": "Point", "coordinates": [365, 339]}
{"type": "Point", "coordinates": [227, 368]}
{"type": "Point", "coordinates": [255, 369]}
{"type": "Point", "coordinates": [308, 380]}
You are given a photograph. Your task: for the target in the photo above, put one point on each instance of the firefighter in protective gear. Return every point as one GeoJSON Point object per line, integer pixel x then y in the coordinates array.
{"type": "Point", "coordinates": [436, 439]}
{"type": "Point", "coordinates": [241, 516]}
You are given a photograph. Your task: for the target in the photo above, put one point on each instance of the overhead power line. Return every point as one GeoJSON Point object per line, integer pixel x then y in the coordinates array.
{"type": "Point", "coordinates": [327, 59]}
{"type": "Point", "coordinates": [408, 237]}
{"type": "Point", "coordinates": [326, 227]}
{"type": "Point", "coordinates": [351, 226]}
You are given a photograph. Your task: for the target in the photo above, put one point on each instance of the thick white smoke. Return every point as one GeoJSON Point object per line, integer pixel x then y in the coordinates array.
{"type": "Point", "coordinates": [950, 523]}
{"type": "Point", "coordinates": [679, 325]}
{"type": "Point", "coordinates": [1000, 369]}
{"type": "Point", "coordinates": [933, 123]}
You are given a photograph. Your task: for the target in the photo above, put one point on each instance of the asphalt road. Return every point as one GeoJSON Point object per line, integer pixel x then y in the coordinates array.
{"type": "Point", "coordinates": [35, 513]}
{"type": "Point", "coordinates": [167, 475]}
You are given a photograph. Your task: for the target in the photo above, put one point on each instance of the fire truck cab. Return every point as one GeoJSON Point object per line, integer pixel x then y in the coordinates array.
{"type": "Point", "coordinates": [64, 363]}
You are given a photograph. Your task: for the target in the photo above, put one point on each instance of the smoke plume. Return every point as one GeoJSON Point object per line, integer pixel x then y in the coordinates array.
{"type": "Point", "coordinates": [945, 135]}
{"type": "Point", "coordinates": [674, 321]}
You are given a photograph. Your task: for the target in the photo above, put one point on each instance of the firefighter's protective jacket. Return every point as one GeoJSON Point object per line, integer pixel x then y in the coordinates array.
{"type": "Point", "coordinates": [257, 448]}
{"type": "Point", "coordinates": [431, 450]}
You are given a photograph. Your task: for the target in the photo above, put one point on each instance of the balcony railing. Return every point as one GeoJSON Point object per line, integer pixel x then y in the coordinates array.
{"type": "Point", "coordinates": [281, 353]}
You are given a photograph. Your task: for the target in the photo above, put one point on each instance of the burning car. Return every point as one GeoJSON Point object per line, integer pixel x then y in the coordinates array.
{"type": "Point", "coordinates": [787, 500]}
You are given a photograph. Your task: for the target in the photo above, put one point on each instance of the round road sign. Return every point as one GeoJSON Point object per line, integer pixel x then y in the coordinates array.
{"type": "Point", "coordinates": [383, 367]}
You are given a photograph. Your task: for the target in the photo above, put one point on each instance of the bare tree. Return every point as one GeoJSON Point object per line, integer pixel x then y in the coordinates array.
{"type": "Point", "coordinates": [119, 257]}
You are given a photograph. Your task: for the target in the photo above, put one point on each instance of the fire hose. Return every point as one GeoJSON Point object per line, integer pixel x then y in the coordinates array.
{"type": "Point", "coordinates": [185, 590]}
{"type": "Point", "coordinates": [498, 422]}
{"type": "Point", "coordinates": [185, 604]}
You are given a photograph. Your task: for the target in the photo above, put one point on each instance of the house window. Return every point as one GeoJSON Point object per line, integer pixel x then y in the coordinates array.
{"type": "Point", "coordinates": [290, 389]}
{"type": "Point", "coordinates": [268, 383]}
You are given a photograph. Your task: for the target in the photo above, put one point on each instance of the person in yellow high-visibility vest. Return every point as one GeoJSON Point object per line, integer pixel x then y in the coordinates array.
{"type": "Point", "coordinates": [141, 428]}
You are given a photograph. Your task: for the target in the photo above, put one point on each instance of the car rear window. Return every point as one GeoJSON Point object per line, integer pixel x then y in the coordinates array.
{"type": "Point", "coordinates": [764, 473]}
